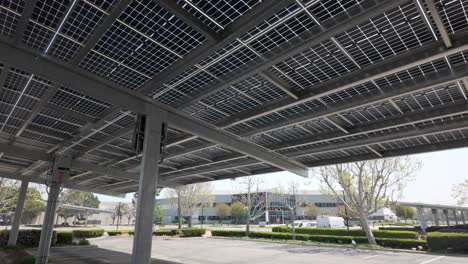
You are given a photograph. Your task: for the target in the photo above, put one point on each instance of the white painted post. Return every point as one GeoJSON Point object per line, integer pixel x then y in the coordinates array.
{"type": "Point", "coordinates": [422, 220]}
{"type": "Point", "coordinates": [60, 172]}
{"type": "Point", "coordinates": [455, 215]}
{"type": "Point", "coordinates": [147, 187]}
{"type": "Point", "coordinates": [13, 236]}
{"type": "Point", "coordinates": [436, 216]}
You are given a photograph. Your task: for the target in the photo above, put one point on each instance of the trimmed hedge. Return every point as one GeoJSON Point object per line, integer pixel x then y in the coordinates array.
{"type": "Point", "coordinates": [114, 232]}
{"type": "Point", "coordinates": [448, 242]}
{"type": "Point", "coordinates": [64, 237]}
{"type": "Point", "coordinates": [192, 232]}
{"type": "Point", "coordinates": [26, 238]}
{"type": "Point", "coordinates": [228, 233]}
{"type": "Point", "coordinates": [166, 232]}
{"type": "Point", "coordinates": [387, 242]}
{"type": "Point", "coordinates": [81, 234]}
{"type": "Point", "coordinates": [401, 243]}
{"type": "Point", "coordinates": [348, 233]}
{"type": "Point", "coordinates": [455, 229]}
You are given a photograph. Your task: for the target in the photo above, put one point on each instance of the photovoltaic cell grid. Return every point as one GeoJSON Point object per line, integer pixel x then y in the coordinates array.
{"type": "Point", "coordinates": [145, 39]}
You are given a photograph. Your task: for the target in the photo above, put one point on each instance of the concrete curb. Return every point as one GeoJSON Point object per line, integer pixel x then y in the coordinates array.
{"type": "Point", "coordinates": [336, 246]}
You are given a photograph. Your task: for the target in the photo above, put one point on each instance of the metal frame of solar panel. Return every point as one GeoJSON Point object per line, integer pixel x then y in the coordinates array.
{"type": "Point", "coordinates": [304, 83]}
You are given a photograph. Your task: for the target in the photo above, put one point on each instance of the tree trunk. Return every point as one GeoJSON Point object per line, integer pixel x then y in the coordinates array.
{"type": "Point", "coordinates": [292, 224]}
{"type": "Point", "coordinates": [179, 212]}
{"type": "Point", "coordinates": [190, 221]}
{"type": "Point", "coordinates": [365, 226]}
{"type": "Point", "coordinates": [247, 227]}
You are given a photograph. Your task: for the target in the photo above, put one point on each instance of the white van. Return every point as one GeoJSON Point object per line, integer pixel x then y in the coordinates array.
{"type": "Point", "coordinates": [325, 221]}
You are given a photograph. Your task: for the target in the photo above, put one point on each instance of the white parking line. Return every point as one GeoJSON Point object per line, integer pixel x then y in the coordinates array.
{"type": "Point", "coordinates": [431, 260]}
{"type": "Point", "coordinates": [373, 256]}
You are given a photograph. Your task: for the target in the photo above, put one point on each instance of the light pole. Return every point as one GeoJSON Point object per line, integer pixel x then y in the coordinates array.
{"type": "Point", "coordinates": [202, 217]}
{"type": "Point", "coordinates": [346, 211]}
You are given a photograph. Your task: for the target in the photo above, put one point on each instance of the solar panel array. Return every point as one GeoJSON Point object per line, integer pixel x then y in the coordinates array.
{"type": "Point", "coordinates": [317, 82]}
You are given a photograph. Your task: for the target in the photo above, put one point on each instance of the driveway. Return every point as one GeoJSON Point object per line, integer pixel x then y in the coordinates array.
{"type": "Point", "coordinates": [217, 250]}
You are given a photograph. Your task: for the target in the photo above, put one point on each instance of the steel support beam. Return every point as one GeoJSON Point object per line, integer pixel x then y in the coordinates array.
{"type": "Point", "coordinates": [455, 216]}
{"type": "Point", "coordinates": [100, 31]}
{"type": "Point", "coordinates": [36, 110]}
{"type": "Point", "coordinates": [21, 27]}
{"type": "Point", "coordinates": [99, 88]}
{"type": "Point", "coordinates": [402, 134]}
{"type": "Point", "coordinates": [13, 236]}
{"type": "Point", "coordinates": [278, 82]}
{"type": "Point", "coordinates": [61, 163]}
{"type": "Point", "coordinates": [422, 219]}
{"type": "Point", "coordinates": [435, 214]}
{"type": "Point", "coordinates": [331, 29]}
{"type": "Point", "coordinates": [109, 139]}
{"type": "Point", "coordinates": [189, 19]}
{"type": "Point", "coordinates": [141, 253]}
{"type": "Point", "coordinates": [463, 217]}
{"type": "Point", "coordinates": [260, 12]}
{"type": "Point", "coordinates": [408, 87]}
{"type": "Point", "coordinates": [390, 66]}
{"type": "Point", "coordinates": [439, 23]}
{"type": "Point", "coordinates": [447, 220]}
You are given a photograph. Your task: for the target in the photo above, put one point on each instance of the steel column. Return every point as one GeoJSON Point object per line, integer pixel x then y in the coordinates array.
{"type": "Point", "coordinates": [436, 216]}
{"type": "Point", "coordinates": [60, 168]}
{"type": "Point", "coordinates": [18, 212]}
{"type": "Point", "coordinates": [463, 217]}
{"type": "Point", "coordinates": [455, 215]}
{"type": "Point", "coordinates": [422, 219]}
{"type": "Point", "coordinates": [445, 211]}
{"type": "Point", "coordinates": [147, 189]}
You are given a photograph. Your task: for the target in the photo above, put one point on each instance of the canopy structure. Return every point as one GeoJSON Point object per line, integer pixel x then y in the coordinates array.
{"type": "Point", "coordinates": [245, 87]}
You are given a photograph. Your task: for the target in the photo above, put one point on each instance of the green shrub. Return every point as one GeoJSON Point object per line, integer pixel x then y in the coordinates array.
{"type": "Point", "coordinates": [166, 232]}
{"type": "Point", "coordinates": [64, 237]}
{"type": "Point", "coordinates": [192, 232]}
{"type": "Point", "coordinates": [26, 238]}
{"type": "Point", "coordinates": [401, 243]}
{"type": "Point", "coordinates": [88, 233]}
{"type": "Point", "coordinates": [131, 233]}
{"type": "Point", "coordinates": [448, 242]}
{"type": "Point", "coordinates": [281, 229]}
{"type": "Point", "coordinates": [354, 232]}
{"type": "Point", "coordinates": [114, 232]}
{"type": "Point", "coordinates": [25, 260]}
{"type": "Point", "coordinates": [83, 242]}
{"type": "Point", "coordinates": [228, 233]}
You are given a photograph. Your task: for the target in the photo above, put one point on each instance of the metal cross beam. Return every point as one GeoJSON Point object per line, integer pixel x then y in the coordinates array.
{"type": "Point", "coordinates": [189, 19]}
{"type": "Point", "coordinates": [278, 55]}
{"type": "Point", "coordinates": [119, 96]}
{"type": "Point", "coordinates": [439, 23]}
{"type": "Point", "coordinates": [278, 82]}
{"type": "Point", "coordinates": [259, 13]}
{"type": "Point", "coordinates": [390, 66]}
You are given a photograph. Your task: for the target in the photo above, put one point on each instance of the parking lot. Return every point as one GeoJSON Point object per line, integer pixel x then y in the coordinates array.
{"type": "Point", "coordinates": [217, 250]}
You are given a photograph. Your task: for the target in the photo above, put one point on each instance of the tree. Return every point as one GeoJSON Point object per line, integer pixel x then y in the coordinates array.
{"type": "Point", "coordinates": [342, 211]}
{"type": "Point", "coordinates": [292, 201]}
{"type": "Point", "coordinates": [368, 185]}
{"type": "Point", "coordinates": [9, 194]}
{"type": "Point", "coordinates": [237, 211]}
{"type": "Point", "coordinates": [252, 198]}
{"type": "Point", "coordinates": [222, 211]}
{"type": "Point", "coordinates": [311, 210]}
{"type": "Point", "coordinates": [32, 203]}
{"type": "Point", "coordinates": [158, 213]}
{"type": "Point", "coordinates": [78, 198]}
{"type": "Point", "coordinates": [460, 193]}
{"type": "Point", "coordinates": [188, 198]}
{"type": "Point", "coordinates": [405, 212]}
{"type": "Point", "coordinates": [9, 190]}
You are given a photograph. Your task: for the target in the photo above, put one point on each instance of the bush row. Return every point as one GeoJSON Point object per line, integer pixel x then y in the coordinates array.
{"type": "Point", "coordinates": [387, 242]}
{"type": "Point", "coordinates": [186, 232]}
{"type": "Point", "coordinates": [351, 233]}
{"type": "Point", "coordinates": [448, 242]}
{"type": "Point", "coordinates": [64, 237]}
{"type": "Point", "coordinates": [26, 238]}
{"type": "Point", "coordinates": [80, 234]}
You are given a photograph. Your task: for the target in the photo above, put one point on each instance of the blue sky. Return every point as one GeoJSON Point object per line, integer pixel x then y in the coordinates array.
{"type": "Point", "coordinates": [433, 183]}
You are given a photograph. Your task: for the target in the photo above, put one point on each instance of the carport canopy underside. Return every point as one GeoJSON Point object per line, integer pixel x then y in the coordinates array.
{"type": "Point", "coordinates": [246, 87]}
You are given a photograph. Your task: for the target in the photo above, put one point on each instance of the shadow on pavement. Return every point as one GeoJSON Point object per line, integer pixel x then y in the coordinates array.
{"type": "Point", "coordinates": [93, 255]}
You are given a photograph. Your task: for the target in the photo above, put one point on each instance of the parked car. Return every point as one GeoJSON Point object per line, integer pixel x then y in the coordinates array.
{"type": "Point", "coordinates": [325, 221]}
{"type": "Point", "coordinates": [304, 223]}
